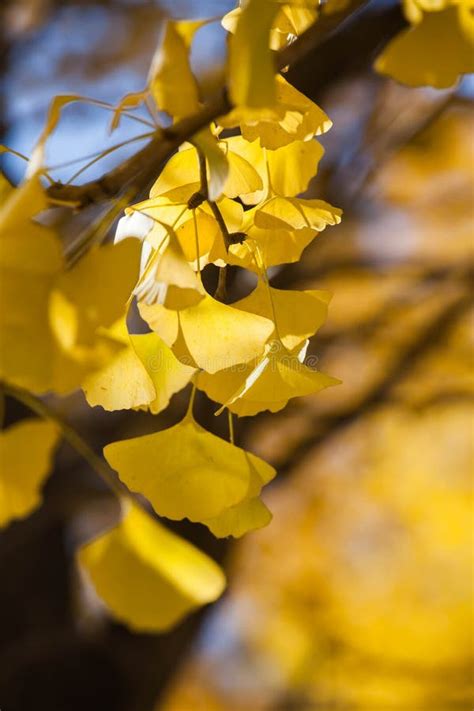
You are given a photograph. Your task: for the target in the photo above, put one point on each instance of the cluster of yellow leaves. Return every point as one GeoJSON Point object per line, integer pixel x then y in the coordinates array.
{"type": "Point", "coordinates": [221, 200]}
{"type": "Point", "coordinates": [437, 49]}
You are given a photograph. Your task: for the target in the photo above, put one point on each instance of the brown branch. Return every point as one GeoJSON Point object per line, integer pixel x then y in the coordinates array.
{"type": "Point", "coordinates": [137, 172]}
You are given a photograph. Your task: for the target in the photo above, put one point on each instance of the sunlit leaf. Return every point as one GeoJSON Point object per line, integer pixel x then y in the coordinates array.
{"type": "Point", "coordinates": [296, 214]}
{"type": "Point", "coordinates": [30, 260]}
{"type": "Point", "coordinates": [216, 162]}
{"type": "Point", "coordinates": [147, 576]}
{"type": "Point", "coordinates": [171, 80]}
{"type": "Point", "coordinates": [247, 516]}
{"type": "Point", "coordinates": [185, 471]}
{"type": "Point", "coordinates": [298, 314]}
{"type": "Point", "coordinates": [266, 384]}
{"type": "Point", "coordinates": [250, 48]}
{"type": "Point", "coordinates": [26, 451]}
{"type": "Point", "coordinates": [435, 52]}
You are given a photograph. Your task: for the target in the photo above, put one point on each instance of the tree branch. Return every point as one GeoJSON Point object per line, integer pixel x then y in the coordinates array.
{"type": "Point", "coordinates": [137, 172]}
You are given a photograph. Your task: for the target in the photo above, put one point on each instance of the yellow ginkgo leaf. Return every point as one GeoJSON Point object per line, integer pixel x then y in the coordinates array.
{"type": "Point", "coordinates": [167, 267]}
{"type": "Point", "coordinates": [296, 214]}
{"type": "Point", "coordinates": [302, 119]}
{"type": "Point", "coordinates": [192, 333]}
{"type": "Point", "coordinates": [217, 336]}
{"type": "Point", "coordinates": [285, 171]}
{"type": "Point", "coordinates": [172, 83]}
{"type": "Point", "coordinates": [196, 229]}
{"type": "Point", "coordinates": [143, 374]}
{"type": "Point", "coordinates": [298, 314]}
{"type": "Point", "coordinates": [270, 247]}
{"type": "Point", "coordinates": [122, 384]}
{"type": "Point", "coordinates": [267, 384]}
{"type": "Point", "coordinates": [253, 155]}
{"type": "Point", "coordinates": [250, 48]}
{"type": "Point", "coordinates": [180, 178]}
{"type": "Point", "coordinates": [435, 52]}
{"type": "Point", "coordinates": [291, 167]}
{"type": "Point", "coordinates": [298, 119]}
{"type": "Point", "coordinates": [243, 178]}
{"type": "Point", "coordinates": [26, 450]}
{"type": "Point", "coordinates": [289, 22]}
{"type": "Point", "coordinates": [249, 515]}
{"type": "Point", "coordinates": [163, 321]}
{"type": "Point", "coordinates": [96, 290]}
{"type": "Point", "coordinates": [167, 374]}
{"type": "Point", "coordinates": [217, 165]}
{"type": "Point", "coordinates": [148, 577]}
{"type": "Point", "coordinates": [30, 260]}
{"type": "Point", "coordinates": [185, 471]}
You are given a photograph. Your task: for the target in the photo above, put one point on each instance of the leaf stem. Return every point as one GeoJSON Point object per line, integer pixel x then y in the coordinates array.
{"type": "Point", "coordinates": [231, 427]}
{"type": "Point", "coordinates": [221, 289]}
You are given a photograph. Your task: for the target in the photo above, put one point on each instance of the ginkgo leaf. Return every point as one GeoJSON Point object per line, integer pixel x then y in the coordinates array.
{"type": "Point", "coordinates": [285, 171]}
{"type": "Point", "coordinates": [167, 267]}
{"type": "Point", "coordinates": [302, 119]}
{"type": "Point", "coordinates": [30, 260]}
{"type": "Point", "coordinates": [163, 321]}
{"type": "Point", "coordinates": [201, 240]}
{"type": "Point", "coordinates": [298, 119]}
{"type": "Point", "coordinates": [26, 451]}
{"type": "Point", "coordinates": [291, 167]}
{"type": "Point", "coordinates": [94, 294]}
{"type": "Point", "coordinates": [171, 80]}
{"type": "Point", "coordinates": [191, 333]}
{"type": "Point", "coordinates": [180, 178]}
{"type": "Point", "coordinates": [270, 247]}
{"type": "Point", "coordinates": [434, 52]}
{"type": "Point", "coordinates": [299, 314]}
{"type": "Point", "coordinates": [216, 336]}
{"type": "Point", "coordinates": [249, 48]}
{"type": "Point", "coordinates": [266, 384]}
{"type": "Point", "coordinates": [290, 21]}
{"type": "Point", "coordinates": [148, 577]}
{"type": "Point", "coordinates": [176, 218]}
{"type": "Point", "coordinates": [122, 384]}
{"type": "Point", "coordinates": [216, 162]}
{"type": "Point", "coordinates": [143, 374]}
{"type": "Point", "coordinates": [185, 471]}
{"type": "Point", "coordinates": [253, 155]}
{"type": "Point", "coordinates": [296, 213]}
{"type": "Point", "coordinates": [167, 374]}
{"type": "Point", "coordinates": [246, 516]}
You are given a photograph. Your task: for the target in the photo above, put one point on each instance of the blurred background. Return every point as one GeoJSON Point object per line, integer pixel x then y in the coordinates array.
{"type": "Point", "coordinates": [359, 593]}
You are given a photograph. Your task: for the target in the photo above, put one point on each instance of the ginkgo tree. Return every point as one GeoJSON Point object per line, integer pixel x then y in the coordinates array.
{"type": "Point", "coordinates": [228, 179]}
